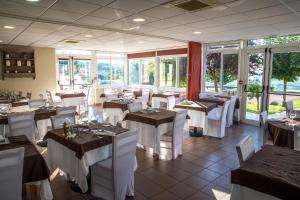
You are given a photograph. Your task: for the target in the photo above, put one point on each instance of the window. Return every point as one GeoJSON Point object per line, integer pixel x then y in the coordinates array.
{"type": "Point", "coordinates": [63, 72]}
{"type": "Point", "coordinates": [142, 71]}
{"type": "Point", "coordinates": [173, 72]}
{"type": "Point", "coordinates": [221, 72]}
{"type": "Point", "coordinates": [110, 69]}
{"type": "Point", "coordinates": [275, 40]}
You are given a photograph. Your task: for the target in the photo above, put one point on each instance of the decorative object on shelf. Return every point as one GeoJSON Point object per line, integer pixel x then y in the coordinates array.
{"type": "Point", "coordinates": [29, 71]}
{"type": "Point", "coordinates": [7, 71]}
{"type": "Point", "coordinates": [28, 63]}
{"type": "Point", "coordinates": [7, 63]}
{"type": "Point", "coordinates": [7, 55]}
{"type": "Point", "coordinates": [19, 63]}
{"type": "Point", "coordinates": [16, 71]}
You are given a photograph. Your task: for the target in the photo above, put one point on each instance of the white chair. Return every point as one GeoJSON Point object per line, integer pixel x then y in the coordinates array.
{"type": "Point", "coordinates": [288, 107]}
{"type": "Point", "coordinates": [297, 138]}
{"type": "Point", "coordinates": [170, 102]}
{"type": "Point", "coordinates": [216, 127]}
{"type": "Point", "coordinates": [135, 106]}
{"type": "Point", "coordinates": [230, 112]}
{"type": "Point", "coordinates": [110, 178]}
{"type": "Point", "coordinates": [50, 99]}
{"type": "Point", "coordinates": [11, 173]}
{"type": "Point", "coordinates": [66, 110]}
{"type": "Point", "coordinates": [144, 99]}
{"type": "Point", "coordinates": [22, 123]}
{"type": "Point", "coordinates": [173, 140]}
{"type": "Point", "coordinates": [264, 133]}
{"type": "Point", "coordinates": [57, 121]}
{"type": "Point", "coordinates": [36, 103]}
{"type": "Point", "coordinates": [245, 149]}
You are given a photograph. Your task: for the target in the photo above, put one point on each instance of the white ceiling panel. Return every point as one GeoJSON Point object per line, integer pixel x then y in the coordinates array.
{"type": "Point", "coordinates": [205, 24]}
{"type": "Point", "coordinates": [295, 5]}
{"type": "Point", "coordinates": [182, 29]}
{"type": "Point", "coordinates": [92, 21]}
{"type": "Point", "coordinates": [232, 18]}
{"type": "Point", "coordinates": [99, 2]}
{"type": "Point", "coordinates": [42, 28]}
{"type": "Point", "coordinates": [279, 19]}
{"type": "Point", "coordinates": [186, 18]}
{"type": "Point", "coordinates": [133, 6]}
{"type": "Point", "coordinates": [110, 13]}
{"type": "Point", "coordinates": [122, 25]}
{"type": "Point", "coordinates": [162, 12]}
{"type": "Point", "coordinates": [267, 12]}
{"type": "Point", "coordinates": [75, 6]}
{"type": "Point", "coordinates": [162, 24]}
{"type": "Point", "coordinates": [60, 15]}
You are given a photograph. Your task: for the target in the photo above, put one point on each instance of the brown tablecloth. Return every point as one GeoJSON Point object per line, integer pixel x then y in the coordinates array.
{"type": "Point", "coordinates": [166, 94]}
{"type": "Point", "coordinates": [199, 106]}
{"type": "Point", "coordinates": [70, 95]}
{"type": "Point", "coordinates": [83, 142]}
{"type": "Point", "coordinates": [40, 114]}
{"type": "Point", "coordinates": [152, 118]}
{"type": "Point", "coordinates": [117, 104]}
{"type": "Point", "coordinates": [220, 100]}
{"type": "Point", "coordinates": [273, 170]}
{"type": "Point", "coordinates": [281, 133]}
{"type": "Point", "coordinates": [15, 103]}
{"type": "Point", "coordinates": [34, 166]}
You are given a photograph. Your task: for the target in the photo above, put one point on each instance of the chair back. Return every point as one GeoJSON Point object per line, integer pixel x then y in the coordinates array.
{"type": "Point", "coordinates": [11, 173]}
{"type": "Point", "coordinates": [245, 149]}
{"type": "Point", "coordinates": [49, 97]}
{"type": "Point", "coordinates": [263, 127]}
{"type": "Point", "coordinates": [297, 138]}
{"type": "Point", "coordinates": [66, 110]}
{"type": "Point", "coordinates": [224, 117]}
{"type": "Point", "coordinates": [289, 107]}
{"type": "Point", "coordinates": [4, 108]}
{"type": "Point", "coordinates": [170, 102]}
{"type": "Point", "coordinates": [135, 106]}
{"type": "Point", "coordinates": [22, 123]}
{"type": "Point", "coordinates": [231, 111]}
{"type": "Point", "coordinates": [178, 125]}
{"type": "Point", "coordinates": [36, 103]}
{"type": "Point", "coordinates": [123, 159]}
{"type": "Point", "coordinates": [28, 95]}
{"type": "Point", "coordinates": [57, 121]}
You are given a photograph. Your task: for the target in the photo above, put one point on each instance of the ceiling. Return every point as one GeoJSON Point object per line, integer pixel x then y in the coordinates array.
{"type": "Point", "coordinates": [47, 23]}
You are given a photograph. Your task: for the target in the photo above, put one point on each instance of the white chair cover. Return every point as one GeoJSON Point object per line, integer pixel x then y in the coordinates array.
{"type": "Point", "coordinates": [144, 99]}
{"type": "Point", "coordinates": [170, 102]}
{"type": "Point", "coordinates": [135, 107]}
{"type": "Point", "coordinates": [11, 173]}
{"type": "Point", "coordinates": [22, 123]}
{"type": "Point", "coordinates": [66, 110]}
{"type": "Point", "coordinates": [264, 133]}
{"type": "Point", "coordinates": [36, 103]}
{"type": "Point", "coordinates": [49, 97]}
{"type": "Point", "coordinates": [245, 149]}
{"type": "Point", "coordinates": [173, 140]}
{"type": "Point", "coordinates": [231, 111]}
{"type": "Point", "coordinates": [110, 177]}
{"type": "Point", "coordinates": [297, 138]}
{"type": "Point", "coordinates": [216, 128]}
{"type": "Point", "coordinates": [58, 120]}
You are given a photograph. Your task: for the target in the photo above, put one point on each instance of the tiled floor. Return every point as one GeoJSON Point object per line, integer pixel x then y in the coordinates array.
{"type": "Point", "coordinates": [203, 172]}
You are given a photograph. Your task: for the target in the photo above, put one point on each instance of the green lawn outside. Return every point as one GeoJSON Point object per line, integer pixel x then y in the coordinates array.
{"type": "Point", "coordinates": [251, 108]}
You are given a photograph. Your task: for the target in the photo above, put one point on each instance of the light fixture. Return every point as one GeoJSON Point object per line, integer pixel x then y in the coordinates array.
{"type": "Point", "coordinates": [9, 27]}
{"type": "Point", "coordinates": [138, 20]}
{"type": "Point", "coordinates": [1, 41]}
{"type": "Point", "coordinates": [32, 0]}
{"type": "Point", "coordinates": [88, 36]}
{"type": "Point", "coordinates": [197, 32]}
{"type": "Point", "coordinates": [141, 42]}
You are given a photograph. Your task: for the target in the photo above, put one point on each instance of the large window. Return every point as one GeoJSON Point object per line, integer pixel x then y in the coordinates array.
{"type": "Point", "coordinates": [110, 69]}
{"type": "Point", "coordinates": [222, 70]}
{"type": "Point", "coordinates": [275, 40]}
{"type": "Point", "coordinates": [173, 72]}
{"type": "Point", "coordinates": [142, 71]}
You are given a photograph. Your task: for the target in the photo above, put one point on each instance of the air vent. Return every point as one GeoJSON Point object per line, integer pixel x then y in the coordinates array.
{"type": "Point", "coordinates": [192, 5]}
{"type": "Point", "coordinates": [72, 41]}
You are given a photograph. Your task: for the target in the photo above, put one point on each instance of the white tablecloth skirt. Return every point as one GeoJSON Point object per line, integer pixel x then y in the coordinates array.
{"type": "Point", "coordinates": [244, 193]}
{"type": "Point", "coordinates": [149, 135]}
{"type": "Point", "coordinates": [215, 113]}
{"type": "Point", "coordinates": [113, 115]}
{"type": "Point", "coordinates": [45, 189]}
{"type": "Point", "coordinates": [73, 101]}
{"type": "Point", "coordinates": [155, 103]}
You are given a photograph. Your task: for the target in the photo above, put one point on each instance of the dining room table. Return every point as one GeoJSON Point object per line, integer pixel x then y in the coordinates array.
{"type": "Point", "coordinates": [158, 97]}
{"type": "Point", "coordinates": [282, 131]}
{"type": "Point", "coordinates": [89, 144]}
{"type": "Point", "coordinates": [198, 113]}
{"type": "Point", "coordinates": [35, 169]}
{"type": "Point", "coordinates": [152, 123]}
{"type": "Point", "coordinates": [271, 173]}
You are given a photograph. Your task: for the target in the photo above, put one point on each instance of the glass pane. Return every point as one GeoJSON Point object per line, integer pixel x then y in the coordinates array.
{"type": "Point", "coordinates": [148, 71]}
{"type": "Point", "coordinates": [230, 73]}
{"type": "Point", "coordinates": [275, 40]}
{"type": "Point", "coordinates": [213, 70]}
{"type": "Point", "coordinates": [182, 72]}
{"type": "Point", "coordinates": [168, 72]}
{"type": "Point", "coordinates": [103, 66]}
{"type": "Point", "coordinates": [117, 71]}
{"type": "Point", "coordinates": [82, 72]}
{"type": "Point", "coordinates": [63, 72]}
{"type": "Point", "coordinates": [254, 85]}
{"type": "Point", "coordinates": [134, 71]}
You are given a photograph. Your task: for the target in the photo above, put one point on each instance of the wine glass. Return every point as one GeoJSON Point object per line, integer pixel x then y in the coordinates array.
{"type": "Point", "coordinates": [292, 116]}
{"type": "Point", "coordinates": [84, 118]}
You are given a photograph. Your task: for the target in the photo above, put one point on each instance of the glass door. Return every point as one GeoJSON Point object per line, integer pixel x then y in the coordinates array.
{"type": "Point", "coordinates": [64, 74]}
{"type": "Point", "coordinates": [253, 89]}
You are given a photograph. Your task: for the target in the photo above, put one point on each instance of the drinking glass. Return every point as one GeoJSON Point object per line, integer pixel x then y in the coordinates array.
{"type": "Point", "coordinates": [292, 116]}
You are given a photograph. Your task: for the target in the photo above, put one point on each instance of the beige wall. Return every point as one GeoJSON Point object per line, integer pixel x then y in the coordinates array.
{"type": "Point", "coordinates": [45, 75]}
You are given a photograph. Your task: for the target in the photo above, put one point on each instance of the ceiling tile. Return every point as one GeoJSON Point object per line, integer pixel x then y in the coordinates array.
{"type": "Point", "coordinates": [42, 28]}
{"type": "Point", "coordinates": [99, 2]}
{"type": "Point", "coordinates": [162, 12]}
{"type": "Point", "coordinates": [163, 24]}
{"type": "Point", "coordinates": [267, 12]}
{"type": "Point", "coordinates": [11, 7]}
{"type": "Point", "coordinates": [92, 21]}
{"type": "Point", "coordinates": [232, 18]}
{"type": "Point", "coordinates": [74, 6]}
{"type": "Point", "coordinates": [186, 18]}
{"type": "Point", "coordinates": [204, 24]}
{"type": "Point", "coordinates": [60, 15]}
{"type": "Point", "coordinates": [133, 6]}
{"type": "Point", "coordinates": [109, 13]}
{"type": "Point", "coordinates": [182, 29]}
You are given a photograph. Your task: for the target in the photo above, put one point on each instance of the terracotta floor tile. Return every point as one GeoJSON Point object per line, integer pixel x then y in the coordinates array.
{"type": "Point", "coordinates": [182, 190]}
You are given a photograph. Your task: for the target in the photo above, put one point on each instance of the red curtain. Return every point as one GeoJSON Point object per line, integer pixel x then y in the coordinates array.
{"type": "Point", "coordinates": [194, 73]}
{"type": "Point", "coordinates": [142, 55]}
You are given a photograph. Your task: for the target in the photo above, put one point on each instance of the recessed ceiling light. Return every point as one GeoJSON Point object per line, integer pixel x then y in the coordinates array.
{"type": "Point", "coordinates": [33, 0]}
{"type": "Point", "coordinates": [138, 20]}
{"type": "Point", "coordinates": [197, 32]}
{"type": "Point", "coordinates": [141, 42]}
{"type": "Point", "coordinates": [1, 41]}
{"type": "Point", "coordinates": [88, 36]}
{"type": "Point", "coordinates": [59, 45]}
{"type": "Point", "coordinates": [9, 27]}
